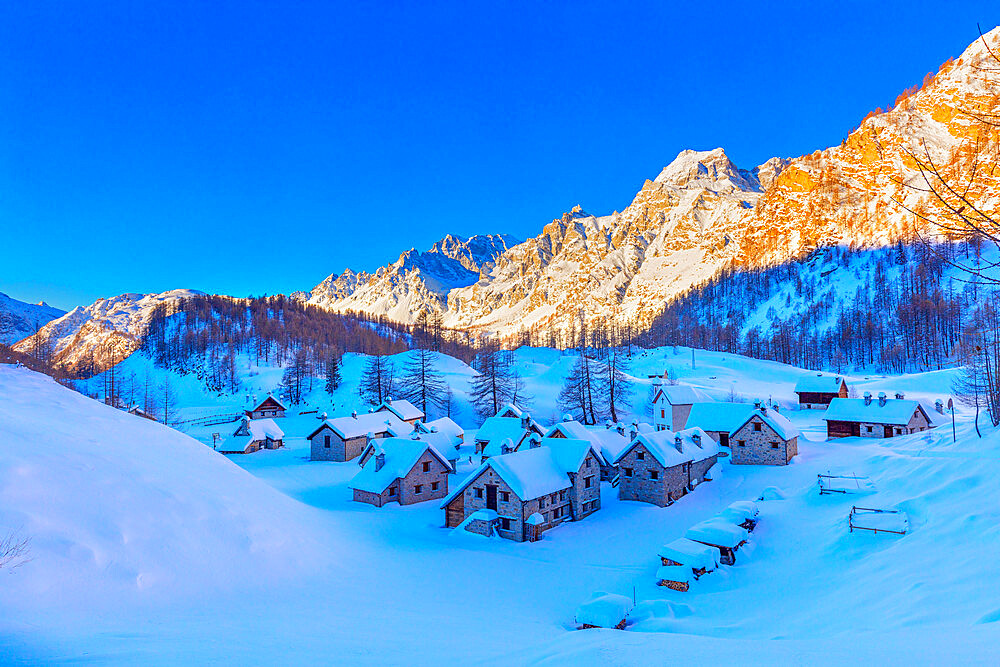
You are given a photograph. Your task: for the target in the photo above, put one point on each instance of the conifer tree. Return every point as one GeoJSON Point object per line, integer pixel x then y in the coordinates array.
{"type": "Point", "coordinates": [332, 374]}
{"type": "Point", "coordinates": [377, 379]}
{"type": "Point", "coordinates": [422, 383]}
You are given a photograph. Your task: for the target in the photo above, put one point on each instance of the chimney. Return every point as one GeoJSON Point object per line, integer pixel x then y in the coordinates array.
{"type": "Point", "coordinates": [633, 433]}
{"type": "Point", "coordinates": [608, 425]}
{"type": "Point", "coordinates": [355, 414]}
{"type": "Point", "coordinates": [775, 408]}
{"type": "Point", "coordinates": [379, 460]}
{"type": "Point", "coordinates": [678, 444]}
{"type": "Point", "coordinates": [939, 406]}
{"type": "Point", "coordinates": [900, 395]}
{"type": "Point", "coordinates": [757, 404]}
{"type": "Point", "coordinates": [620, 427]}
{"type": "Point", "coordinates": [763, 409]}
{"type": "Point", "coordinates": [534, 441]}
{"type": "Point", "coordinates": [323, 416]}
{"type": "Point", "coordinates": [567, 417]}
{"type": "Point", "coordinates": [525, 420]}
{"type": "Point", "coordinates": [868, 398]}
{"type": "Point", "coordinates": [696, 438]}
{"type": "Point", "coordinates": [881, 399]}
{"type": "Point", "coordinates": [506, 446]}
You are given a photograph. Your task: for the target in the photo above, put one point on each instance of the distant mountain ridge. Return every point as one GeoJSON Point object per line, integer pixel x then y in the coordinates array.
{"type": "Point", "coordinates": [19, 320]}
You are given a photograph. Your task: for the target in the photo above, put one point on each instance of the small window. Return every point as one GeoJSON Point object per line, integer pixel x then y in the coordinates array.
{"type": "Point", "coordinates": [663, 414]}
{"type": "Point", "coordinates": [434, 486]}
{"type": "Point", "coordinates": [868, 429]}
{"type": "Point", "coordinates": [541, 502]}
{"type": "Point", "coordinates": [505, 496]}
{"type": "Point", "coordinates": [427, 466]}
{"type": "Point", "coordinates": [774, 445]}
{"type": "Point", "coordinates": [628, 472]}
{"type": "Point", "coordinates": [418, 489]}
{"type": "Point", "coordinates": [555, 498]}
{"type": "Point", "coordinates": [756, 426]}
{"type": "Point", "coordinates": [479, 492]}
{"type": "Point", "coordinates": [392, 491]}
{"type": "Point", "coordinates": [562, 495]}
{"type": "Point", "coordinates": [587, 481]}
{"type": "Point", "coordinates": [588, 461]}
{"type": "Point", "coordinates": [326, 441]}
{"type": "Point", "coordinates": [504, 523]}
{"type": "Point", "coordinates": [654, 474]}
{"type": "Point", "coordinates": [741, 443]}
{"type": "Point", "coordinates": [641, 456]}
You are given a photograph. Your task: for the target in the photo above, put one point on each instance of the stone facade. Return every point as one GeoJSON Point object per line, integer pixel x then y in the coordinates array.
{"type": "Point", "coordinates": [326, 445]}
{"type": "Point", "coordinates": [840, 429]}
{"type": "Point", "coordinates": [644, 479]}
{"type": "Point", "coordinates": [751, 446]}
{"type": "Point", "coordinates": [268, 408]}
{"type": "Point", "coordinates": [582, 498]}
{"type": "Point", "coordinates": [426, 480]}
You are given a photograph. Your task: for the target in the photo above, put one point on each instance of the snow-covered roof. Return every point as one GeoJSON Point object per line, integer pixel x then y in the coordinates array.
{"type": "Point", "coordinates": [535, 519]}
{"type": "Point", "coordinates": [444, 443]}
{"type": "Point", "coordinates": [443, 425]}
{"type": "Point", "coordinates": [530, 473]}
{"type": "Point", "coordinates": [604, 610]}
{"type": "Point", "coordinates": [265, 428]}
{"type": "Point", "coordinates": [819, 384]}
{"type": "Point", "coordinates": [401, 454]}
{"type": "Point", "coordinates": [717, 532]}
{"type": "Point", "coordinates": [571, 452]}
{"type": "Point", "coordinates": [677, 394]}
{"type": "Point", "coordinates": [691, 554]}
{"type": "Point", "coordinates": [497, 429]}
{"type": "Point", "coordinates": [257, 430]}
{"type": "Point", "coordinates": [740, 511]}
{"type": "Point", "coordinates": [272, 398]}
{"type": "Point", "coordinates": [778, 423]}
{"type": "Point", "coordinates": [608, 442]}
{"type": "Point", "coordinates": [401, 408]}
{"type": "Point", "coordinates": [663, 445]}
{"type": "Point", "coordinates": [510, 410]}
{"type": "Point", "coordinates": [719, 417]}
{"type": "Point", "coordinates": [895, 411]}
{"type": "Point", "coordinates": [362, 424]}
{"type": "Point", "coordinates": [679, 573]}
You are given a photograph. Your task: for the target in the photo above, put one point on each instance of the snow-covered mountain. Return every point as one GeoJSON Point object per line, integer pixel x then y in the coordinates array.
{"type": "Point", "coordinates": [107, 330]}
{"type": "Point", "coordinates": [703, 213]}
{"type": "Point", "coordinates": [414, 282]}
{"type": "Point", "coordinates": [19, 319]}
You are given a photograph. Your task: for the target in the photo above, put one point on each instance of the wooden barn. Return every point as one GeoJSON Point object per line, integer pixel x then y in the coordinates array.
{"type": "Point", "coordinates": [270, 407]}
{"type": "Point", "coordinates": [816, 391]}
{"type": "Point", "coordinates": [881, 418]}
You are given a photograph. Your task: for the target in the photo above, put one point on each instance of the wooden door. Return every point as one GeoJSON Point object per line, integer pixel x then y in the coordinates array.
{"type": "Point", "coordinates": [491, 496]}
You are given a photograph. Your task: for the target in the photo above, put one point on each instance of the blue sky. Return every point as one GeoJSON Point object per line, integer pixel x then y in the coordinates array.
{"type": "Point", "coordinates": [248, 148]}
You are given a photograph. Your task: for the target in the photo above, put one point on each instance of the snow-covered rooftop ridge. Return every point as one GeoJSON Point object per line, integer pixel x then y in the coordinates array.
{"type": "Point", "coordinates": [673, 448]}
{"type": "Point", "coordinates": [719, 417]}
{"type": "Point", "coordinates": [778, 423]}
{"type": "Point", "coordinates": [690, 553]}
{"type": "Point", "coordinates": [678, 394]}
{"type": "Point", "coordinates": [894, 411]}
{"type": "Point", "coordinates": [401, 408]}
{"type": "Point", "coordinates": [358, 425]}
{"type": "Point", "coordinates": [717, 532]}
{"type": "Point", "coordinates": [819, 383]}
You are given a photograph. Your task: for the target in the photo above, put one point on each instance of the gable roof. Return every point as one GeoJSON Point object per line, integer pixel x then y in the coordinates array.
{"type": "Point", "coordinates": [691, 554]}
{"type": "Point", "coordinates": [270, 397]}
{"type": "Point", "coordinates": [444, 443]}
{"type": "Point", "coordinates": [443, 425]}
{"type": "Point", "coordinates": [257, 430]}
{"type": "Point", "coordinates": [570, 453]}
{"type": "Point", "coordinates": [401, 454]}
{"type": "Point", "coordinates": [719, 417]}
{"type": "Point", "coordinates": [663, 446]}
{"type": "Point", "coordinates": [530, 473]}
{"type": "Point", "coordinates": [819, 383]}
{"type": "Point", "coordinates": [497, 429]}
{"type": "Point", "coordinates": [896, 412]}
{"type": "Point", "coordinates": [401, 408]}
{"type": "Point", "coordinates": [677, 394]}
{"type": "Point", "coordinates": [509, 410]}
{"type": "Point", "coordinates": [778, 423]}
{"type": "Point", "coordinates": [371, 422]}
{"type": "Point", "coordinates": [608, 442]}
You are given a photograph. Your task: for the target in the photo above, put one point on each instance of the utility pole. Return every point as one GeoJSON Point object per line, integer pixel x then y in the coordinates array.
{"type": "Point", "coordinates": [951, 406]}
{"type": "Point", "coordinates": [692, 359]}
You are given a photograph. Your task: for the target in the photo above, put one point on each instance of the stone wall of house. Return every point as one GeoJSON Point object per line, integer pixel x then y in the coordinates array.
{"type": "Point", "coordinates": [757, 447]}
{"type": "Point", "coordinates": [586, 500]}
{"type": "Point", "coordinates": [872, 430]}
{"type": "Point", "coordinates": [671, 483]}
{"type": "Point", "coordinates": [437, 474]}
{"type": "Point", "coordinates": [320, 452]}
{"type": "Point", "coordinates": [368, 497]}
{"type": "Point", "coordinates": [917, 423]}
{"type": "Point", "coordinates": [700, 468]}
{"type": "Point", "coordinates": [510, 508]}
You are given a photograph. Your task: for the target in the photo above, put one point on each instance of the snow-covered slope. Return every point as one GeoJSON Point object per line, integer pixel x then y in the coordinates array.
{"type": "Point", "coordinates": [19, 319]}
{"type": "Point", "coordinates": [702, 213]}
{"type": "Point", "coordinates": [107, 330]}
{"type": "Point", "coordinates": [120, 508]}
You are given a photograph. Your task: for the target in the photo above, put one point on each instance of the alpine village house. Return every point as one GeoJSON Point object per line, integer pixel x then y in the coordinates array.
{"type": "Point", "coordinates": [402, 470]}
{"type": "Point", "coordinates": [269, 407]}
{"type": "Point", "coordinates": [344, 438]}
{"type": "Point", "coordinates": [884, 418]}
{"type": "Point", "coordinates": [765, 438]}
{"type": "Point", "coordinates": [521, 494]}
{"type": "Point", "coordinates": [816, 391]}
{"type": "Point", "coordinates": [253, 435]}
{"type": "Point", "coordinates": [662, 466]}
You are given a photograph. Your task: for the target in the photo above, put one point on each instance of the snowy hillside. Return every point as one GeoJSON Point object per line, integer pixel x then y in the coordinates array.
{"type": "Point", "coordinates": [178, 555]}
{"type": "Point", "coordinates": [108, 329]}
{"type": "Point", "coordinates": [19, 319]}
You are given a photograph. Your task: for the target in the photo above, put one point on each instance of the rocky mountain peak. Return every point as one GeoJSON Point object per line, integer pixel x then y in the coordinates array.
{"type": "Point", "coordinates": [712, 170]}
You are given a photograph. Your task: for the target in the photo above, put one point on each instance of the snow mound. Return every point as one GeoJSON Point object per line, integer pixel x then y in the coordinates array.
{"type": "Point", "coordinates": [116, 505]}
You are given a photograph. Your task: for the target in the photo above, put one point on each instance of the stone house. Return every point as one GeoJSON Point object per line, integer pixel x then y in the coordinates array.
{"type": "Point", "coordinates": [344, 438]}
{"type": "Point", "coordinates": [510, 410]}
{"type": "Point", "coordinates": [496, 433]}
{"type": "Point", "coordinates": [520, 495]}
{"type": "Point", "coordinates": [672, 406]}
{"type": "Point", "coordinates": [719, 420]}
{"type": "Point", "coordinates": [401, 470]}
{"type": "Point", "coordinates": [403, 409]}
{"type": "Point", "coordinates": [816, 391]}
{"type": "Point", "coordinates": [609, 441]}
{"type": "Point", "coordinates": [663, 466]}
{"type": "Point", "coordinates": [867, 418]}
{"type": "Point", "coordinates": [765, 438]}
{"type": "Point", "coordinates": [253, 435]}
{"type": "Point", "coordinates": [269, 407]}
{"type": "Point", "coordinates": [443, 425]}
